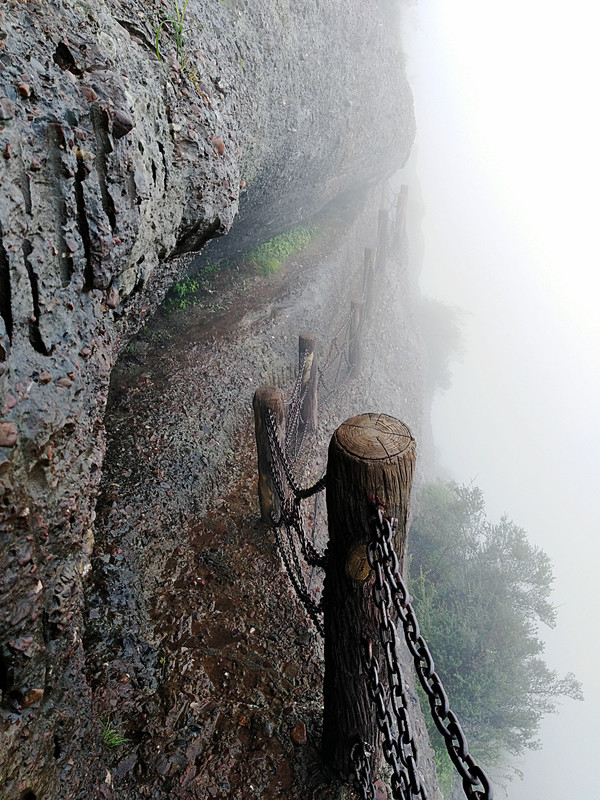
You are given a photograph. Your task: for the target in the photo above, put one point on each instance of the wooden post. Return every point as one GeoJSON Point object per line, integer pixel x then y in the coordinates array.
{"type": "Point", "coordinates": [355, 345]}
{"type": "Point", "coordinates": [307, 343]}
{"type": "Point", "coordinates": [267, 398]}
{"type": "Point", "coordinates": [372, 454]}
{"type": "Point", "coordinates": [382, 242]}
{"type": "Point", "coordinates": [369, 274]}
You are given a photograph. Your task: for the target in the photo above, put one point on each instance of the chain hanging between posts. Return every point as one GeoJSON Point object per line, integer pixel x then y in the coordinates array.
{"type": "Point", "coordinates": [336, 356]}
{"type": "Point", "coordinates": [289, 556]}
{"type": "Point", "coordinates": [290, 521]}
{"type": "Point", "coordinates": [384, 560]}
{"type": "Point", "coordinates": [279, 456]}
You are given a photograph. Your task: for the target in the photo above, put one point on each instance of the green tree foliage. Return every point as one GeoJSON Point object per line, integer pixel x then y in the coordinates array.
{"type": "Point", "coordinates": [481, 591]}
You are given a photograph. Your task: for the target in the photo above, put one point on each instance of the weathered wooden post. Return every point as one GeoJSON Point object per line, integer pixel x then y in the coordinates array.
{"type": "Point", "coordinates": [355, 344]}
{"type": "Point", "coordinates": [382, 241]}
{"type": "Point", "coordinates": [369, 455]}
{"type": "Point", "coordinates": [307, 343]}
{"type": "Point", "coordinates": [369, 275]}
{"type": "Point", "coordinates": [267, 398]}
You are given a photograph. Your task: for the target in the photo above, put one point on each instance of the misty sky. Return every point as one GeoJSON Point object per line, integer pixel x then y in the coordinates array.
{"type": "Point", "coordinates": [508, 160]}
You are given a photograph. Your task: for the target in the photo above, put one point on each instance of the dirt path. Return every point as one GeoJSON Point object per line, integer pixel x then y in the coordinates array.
{"type": "Point", "coordinates": [199, 653]}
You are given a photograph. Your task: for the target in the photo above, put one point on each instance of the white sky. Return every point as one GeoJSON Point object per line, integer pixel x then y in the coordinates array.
{"type": "Point", "coordinates": [508, 157]}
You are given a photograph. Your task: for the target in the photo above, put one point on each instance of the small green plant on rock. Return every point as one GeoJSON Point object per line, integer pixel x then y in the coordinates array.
{"type": "Point", "coordinates": [174, 18]}
{"type": "Point", "coordinates": [112, 737]}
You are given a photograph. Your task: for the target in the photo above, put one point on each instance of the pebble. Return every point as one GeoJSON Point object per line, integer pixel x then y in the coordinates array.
{"type": "Point", "coordinates": [122, 124]}
{"type": "Point", "coordinates": [21, 644]}
{"type": "Point", "coordinates": [45, 377]}
{"type": "Point", "coordinates": [8, 434]}
{"type": "Point", "coordinates": [112, 298]}
{"type": "Point", "coordinates": [65, 382]}
{"type": "Point", "coordinates": [7, 108]}
{"type": "Point", "coordinates": [89, 94]}
{"type": "Point", "coordinates": [217, 142]}
{"type": "Point", "coordinates": [32, 696]}
{"type": "Point", "coordinates": [298, 733]}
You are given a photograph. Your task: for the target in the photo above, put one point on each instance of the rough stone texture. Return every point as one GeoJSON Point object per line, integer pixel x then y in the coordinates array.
{"type": "Point", "coordinates": [112, 165]}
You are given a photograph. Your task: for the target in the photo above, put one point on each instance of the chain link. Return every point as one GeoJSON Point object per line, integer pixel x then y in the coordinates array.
{"type": "Point", "coordinates": [383, 558]}
{"type": "Point", "coordinates": [399, 748]}
{"type": "Point", "coordinates": [359, 758]}
{"type": "Point", "coordinates": [290, 521]}
{"type": "Point", "coordinates": [278, 455]}
{"type": "Point", "coordinates": [292, 566]}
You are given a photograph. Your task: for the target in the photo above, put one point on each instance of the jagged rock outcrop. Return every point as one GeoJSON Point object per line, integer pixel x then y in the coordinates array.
{"type": "Point", "coordinates": [112, 166]}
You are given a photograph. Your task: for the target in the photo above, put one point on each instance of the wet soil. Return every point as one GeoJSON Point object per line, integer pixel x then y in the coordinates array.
{"type": "Point", "coordinates": [198, 651]}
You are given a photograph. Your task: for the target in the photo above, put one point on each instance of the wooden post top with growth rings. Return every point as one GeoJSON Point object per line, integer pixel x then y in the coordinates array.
{"type": "Point", "coordinates": [375, 437]}
{"type": "Point", "coordinates": [375, 455]}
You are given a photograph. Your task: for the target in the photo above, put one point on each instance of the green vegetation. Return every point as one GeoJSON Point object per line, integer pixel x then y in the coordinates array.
{"type": "Point", "coordinates": [158, 336]}
{"type": "Point", "coordinates": [174, 18]}
{"type": "Point", "coordinates": [189, 291]}
{"type": "Point", "coordinates": [202, 289]}
{"type": "Point", "coordinates": [183, 293]}
{"type": "Point", "coordinates": [481, 591]}
{"type": "Point", "coordinates": [269, 257]}
{"type": "Point", "coordinates": [112, 737]}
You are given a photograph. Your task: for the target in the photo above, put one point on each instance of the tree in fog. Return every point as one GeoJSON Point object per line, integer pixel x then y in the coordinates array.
{"type": "Point", "coordinates": [481, 591]}
{"type": "Point", "coordinates": [442, 335]}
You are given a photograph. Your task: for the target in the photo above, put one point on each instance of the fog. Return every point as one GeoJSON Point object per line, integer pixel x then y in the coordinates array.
{"type": "Point", "coordinates": [508, 166]}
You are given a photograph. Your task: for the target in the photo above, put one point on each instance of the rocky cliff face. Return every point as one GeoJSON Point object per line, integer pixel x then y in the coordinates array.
{"type": "Point", "coordinates": [114, 164]}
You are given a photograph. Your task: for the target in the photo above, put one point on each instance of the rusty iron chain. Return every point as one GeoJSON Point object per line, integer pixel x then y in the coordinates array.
{"type": "Point", "coordinates": [399, 747]}
{"type": "Point", "coordinates": [278, 452]}
{"type": "Point", "coordinates": [290, 521]}
{"type": "Point", "coordinates": [359, 758]}
{"type": "Point", "coordinates": [336, 356]}
{"type": "Point", "coordinates": [380, 552]}
{"type": "Point", "coordinates": [334, 344]}
{"type": "Point", "coordinates": [278, 455]}
{"type": "Point", "coordinates": [292, 566]}
{"type": "Point", "coordinates": [310, 553]}
{"type": "Point", "coordinates": [295, 392]}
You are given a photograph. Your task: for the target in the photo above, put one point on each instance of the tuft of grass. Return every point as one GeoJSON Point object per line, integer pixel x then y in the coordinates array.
{"type": "Point", "coordinates": [112, 737]}
{"type": "Point", "coordinates": [174, 18]}
{"type": "Point", "coordinates": [268, 258]}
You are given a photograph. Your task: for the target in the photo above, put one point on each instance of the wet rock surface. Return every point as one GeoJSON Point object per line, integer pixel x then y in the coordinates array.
{"type": "Point", "coordinates": [112, 167]}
